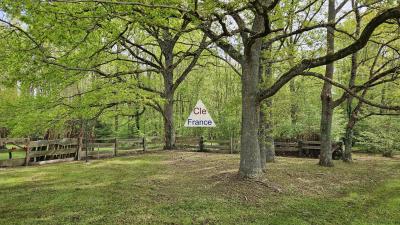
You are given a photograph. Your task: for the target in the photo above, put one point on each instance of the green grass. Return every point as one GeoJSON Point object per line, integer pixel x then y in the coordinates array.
{"type": "Point", "coordinates": [201, 188]}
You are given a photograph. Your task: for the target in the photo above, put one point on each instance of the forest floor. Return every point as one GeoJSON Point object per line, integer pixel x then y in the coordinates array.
{"type": "Point", "coordinates": [201, 188]}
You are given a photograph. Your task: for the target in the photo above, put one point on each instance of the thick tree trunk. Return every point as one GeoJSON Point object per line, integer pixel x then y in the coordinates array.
{"type": "Point", "coordinates": [262, 140]}
{"type": "Point", "coordinates": [348, 144]}
{"type": "Point", "coordinates": [250, 163]}
{"type": "Point", "coordinates": [325, 158]}
{"type": "Point", "coordinates": [168, 111]}
{"type": "Point", "coordinates": [326, 97]}
{"type": "Point", "coordinates": [169, 129]}
{"type": "Point", "coordinates": [250, 166]}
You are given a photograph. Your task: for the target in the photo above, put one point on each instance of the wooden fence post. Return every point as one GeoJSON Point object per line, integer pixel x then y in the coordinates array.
{"type": "Point", "coordinates": [144, 143]}
{"type": "Point", "coordinates": [28, 151]}
{"type": "Point", "coordinates": [98, 151]}
{"type": "Point", "coordinates": [231, 145]}
{"type": "Point", "coordinates": [79, 149]}
{"type": "Point", "coordinates": [115, 147]}
{"type": "Point", "coordinates": [86, 150]}
{"type": "Point", "coordinates": [300, 146]}
{"type": "Point", "coordinates": [201, 144]}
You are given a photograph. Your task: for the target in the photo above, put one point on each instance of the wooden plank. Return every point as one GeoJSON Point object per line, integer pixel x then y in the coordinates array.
{"type": "Point", "coordinates": [103, 140]}
{"type": "Point", "coordinates": [96, 155]}
{"type": "Point", "coordinates": [36, 144]}
{"type": "Point", "coordinates": [187, 143]}
{"type": "Point", "coordinates": [67, 141]}
{"type": "Point", "coordinates": [130, 141]}
{"type": "Point", "coordinates": [289, 149]}
{"type": "Point", "coordinates": [51, 152]}
{"type": "Point", "coordinates": [286, 144]}
{"type": "Point", "coordinates": [311, 147]}
{"type": "Point", "coordinates": [311, 142]}
{"type": "Point", "coordinates": [12, 162]}
{"type": "Point", "coordinates": [52, 161]}
{"type": "Point", "coordinates": [130, 149]}
{"type": "Point", "coordinates": [101, 145]}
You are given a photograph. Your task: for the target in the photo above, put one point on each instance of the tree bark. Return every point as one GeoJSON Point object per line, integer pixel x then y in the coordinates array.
{"type": "Point", "coordinates": [352, 113]}
{"type": "Point", "coordinates": [325, 158]}
{"type": "Point", "coordinates": [169, 128]}
{"type": "Point", "coordinates": [250, 163]}
{"type": "Point", "coordinates": [168, 113]}
{"type": "Point", "coordinates": [269, 139]}
{"type": "Point", "coordinates": [267, 148]}
{"type": "Point", "coordinates": [262, 139]}
{"type": "Point", "coordinates": [168, 74]}
{"type": "Point", "coordinates": [348, 143]}
{"type": "Point", "coordinates": [116, 120]}
{"type": "Point", "coordinates": [293, 104]}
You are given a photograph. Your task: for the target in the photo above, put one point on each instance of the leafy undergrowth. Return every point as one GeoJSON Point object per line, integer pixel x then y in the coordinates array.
{"type": "Point", "coordinates": [201, 188]}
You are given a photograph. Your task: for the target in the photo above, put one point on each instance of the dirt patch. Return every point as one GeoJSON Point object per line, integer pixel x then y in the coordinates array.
{"type": "Point", "coordinates": [230, 184]}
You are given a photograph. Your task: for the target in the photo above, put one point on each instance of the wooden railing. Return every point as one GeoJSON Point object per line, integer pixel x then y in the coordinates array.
{"type": "Point", "coordinates": [32, 152]}
{"type": "Point", "coordinates": [306, 149]}
{"type": "Point", "coordinates": [111, 147]}
{"type": "Point", "coordinates": [22, 151]}
{"type": "Point", "coordinates": [202, 144]}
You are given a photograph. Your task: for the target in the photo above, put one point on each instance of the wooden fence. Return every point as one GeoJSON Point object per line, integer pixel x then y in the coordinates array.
{"type": "Point", "coordinates": [112, 147]}
{"type": "Point", "coordinates": [22, 151]}
{"type": "Point", "coordinates": [208, 145]}
{"type": "Point", "coordinates": [306, 149]}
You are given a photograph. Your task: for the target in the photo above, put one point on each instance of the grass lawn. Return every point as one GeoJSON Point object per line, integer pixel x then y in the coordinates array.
{"type": "Point", "coordinates": [201, 188]}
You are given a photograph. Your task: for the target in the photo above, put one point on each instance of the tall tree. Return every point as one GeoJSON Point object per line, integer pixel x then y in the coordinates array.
{"type": "Point", "coordinates": [326, 94]}
{"type": "Point", "coordinates": [250, 37]}
{"type": "Point", "coordinates": [172, 55]}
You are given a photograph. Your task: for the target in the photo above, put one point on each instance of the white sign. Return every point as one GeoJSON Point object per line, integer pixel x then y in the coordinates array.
{"type": "Point", "coordinates": [199, 117]}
